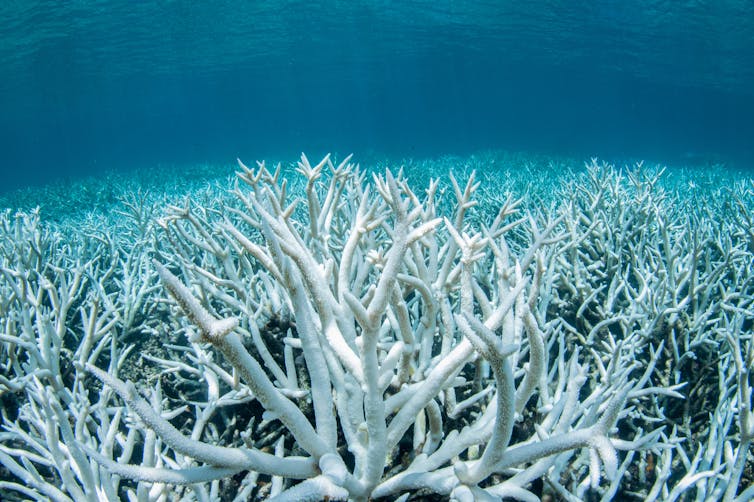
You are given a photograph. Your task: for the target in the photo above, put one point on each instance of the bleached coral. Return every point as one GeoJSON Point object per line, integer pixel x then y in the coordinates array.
{"type": "Point", "coordinates": [407, 342]}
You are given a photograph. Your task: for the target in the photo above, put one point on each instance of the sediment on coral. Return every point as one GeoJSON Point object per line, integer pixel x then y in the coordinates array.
{"type": "Point", "coordinates": [494, 327]}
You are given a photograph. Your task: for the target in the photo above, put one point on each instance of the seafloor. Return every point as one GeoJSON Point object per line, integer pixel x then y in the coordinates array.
{"type": "Point", "coordinates": [651, 264]}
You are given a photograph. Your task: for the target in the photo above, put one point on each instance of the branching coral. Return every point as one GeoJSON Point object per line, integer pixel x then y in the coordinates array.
{"type": "Point", "coordinates": [355, 339]}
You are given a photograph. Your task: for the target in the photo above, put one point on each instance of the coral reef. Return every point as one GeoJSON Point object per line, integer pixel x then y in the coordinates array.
{"type": "Point", "coordinates": [335, 333]}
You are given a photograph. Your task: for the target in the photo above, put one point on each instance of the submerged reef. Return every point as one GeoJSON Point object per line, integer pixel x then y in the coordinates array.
{"type": "Point", "coordinates": [488, 328]}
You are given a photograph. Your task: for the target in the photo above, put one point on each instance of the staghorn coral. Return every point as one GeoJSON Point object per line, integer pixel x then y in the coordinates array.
{"type": "Point", "coordinates": [464, 344]}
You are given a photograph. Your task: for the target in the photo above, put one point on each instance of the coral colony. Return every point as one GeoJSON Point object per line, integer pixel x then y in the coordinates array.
{"type": "Point", "coordinates": [336, 334]}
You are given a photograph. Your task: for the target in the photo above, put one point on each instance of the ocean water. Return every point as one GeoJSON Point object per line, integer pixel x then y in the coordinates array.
{"type": "Point", "coordinates": [570, 190]}
{"type": "Point", "coordinates": [88, 87]}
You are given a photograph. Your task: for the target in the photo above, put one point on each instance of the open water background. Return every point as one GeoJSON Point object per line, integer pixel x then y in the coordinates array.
{"type": "Point", "coordinates": [89, 86]}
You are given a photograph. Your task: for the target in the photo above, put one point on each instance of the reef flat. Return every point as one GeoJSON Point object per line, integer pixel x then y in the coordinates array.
{"type": "Point", "coordinates": [497, 326]}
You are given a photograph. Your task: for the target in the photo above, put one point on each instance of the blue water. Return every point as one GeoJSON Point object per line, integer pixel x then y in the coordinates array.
{"type": "Point", "coordinates": [91, 86]}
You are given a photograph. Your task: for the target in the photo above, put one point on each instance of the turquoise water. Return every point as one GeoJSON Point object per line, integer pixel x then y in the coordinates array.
{"type": "Point", "coordinates": [87, 87]}
{"type": "Point", "coordinates": [514, 132]}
